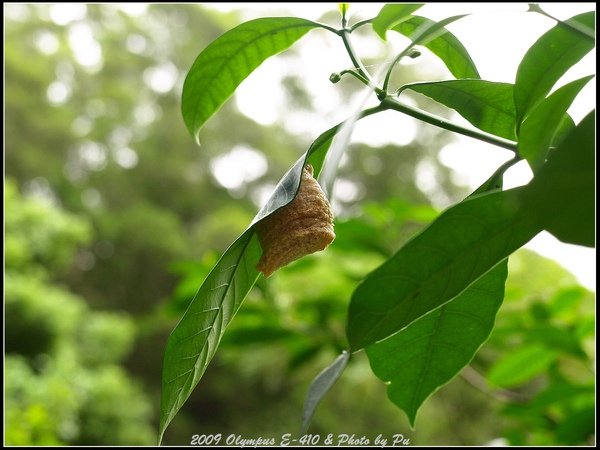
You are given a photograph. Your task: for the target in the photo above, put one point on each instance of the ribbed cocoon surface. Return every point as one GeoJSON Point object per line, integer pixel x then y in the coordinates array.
{"type": "Point", "coordinates": [302, 227]}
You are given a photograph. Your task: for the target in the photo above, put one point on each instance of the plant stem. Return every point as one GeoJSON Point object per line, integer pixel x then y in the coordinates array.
{"type": "Point", "coordinates": [392, 103]}
{"type": "Point", "coordinates": [409, 51]}
{"type": "Point", "coordinates": [477, 381]}
{"type": "Point", "coordinates": [360, 24]}
{"type": "Point", "coordinates": [388, 74]}
{"type": "Point", "coordinates": [508, 164]}
{"type": "Point", "coordinates": [345, 35]}
{"type": "Point", "coordinates": [388, 102]}
{"type": "Point", "coordinates": [343, 7]}
{"type": "Point", "coordinates": [328, 28]}
{"type": "Point", "coordinates": [356, 75]}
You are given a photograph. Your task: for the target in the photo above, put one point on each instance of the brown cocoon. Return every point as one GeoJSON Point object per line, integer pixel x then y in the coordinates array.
{"type": "Point", "coordinates": [302, 227]}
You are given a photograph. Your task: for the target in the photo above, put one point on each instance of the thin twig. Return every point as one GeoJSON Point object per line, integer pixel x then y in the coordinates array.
{"type": "Point", "coordinates": [476, 380]}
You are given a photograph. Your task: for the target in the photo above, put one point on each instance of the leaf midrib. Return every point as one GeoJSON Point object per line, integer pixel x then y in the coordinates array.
{"type": "Point", "coordinates": [426, 360]}
{"type": "Point", "coordinates": [192, 372]}
{"type": "Point", "coordinates": [445, 86]}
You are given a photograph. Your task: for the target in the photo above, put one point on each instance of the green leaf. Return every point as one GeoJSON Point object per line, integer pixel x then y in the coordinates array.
{"type": "Point", "coordinates": [194, 341]}
{"type": "Point", "coordinates": [303, 355]}
{"type": "Point", "coordinates": [494, 182]}
{"type": "Point", "coordinates": [251, 335]}
{"type": "Point", "coordinates": [521, 365]}
{"type": "Point", "coordinates": [320, 386]}
{"type": "Point", "coordinates": [446, 46]}
{"type": "Point", "coordinates": [541, 124]}
{"type": "Point", "coordinates": [428, 33]}
{"type": "Point", "coordinates": [432, 350]}
{"type": "Point", "coordinates": [555, 338]}
{"type": "Point", "coordinates": [561, 197]}
{"type": "Point", "coordinates": [487, 105]}
{"type": "Point", "coordinates": [547, 60]}
{"type": "Point", "coordinates": [461, 245]}
{"type": "Point", "coordinates": [471, 237]}
{"type": "Point", "coordinates": [391, 14]}
{"type": "Point", "coordinates": [560, 392]}
{"type": "Point", "coordinates": [578, 427]}
{"type": "Point", "coordinates": [588, 33]}
{"type": "Point", "coordinates": [566, 302]}
{"type": "Point", "coordinates": [423, 35]}
{"type": "Point", "coordinates": [228, 60]}
{"type": "Point", "coordinates": [358, 235]}
{"type": "Point", "coordinates": [564, 129]}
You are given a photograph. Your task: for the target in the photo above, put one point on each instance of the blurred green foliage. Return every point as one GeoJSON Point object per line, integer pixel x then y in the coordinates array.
{"type": "Point", "coordinates": [543, 350]}
{"type": "Point", "coordinates": [63, 381]}
{"type": "Point", "coordinates": [106, 248]}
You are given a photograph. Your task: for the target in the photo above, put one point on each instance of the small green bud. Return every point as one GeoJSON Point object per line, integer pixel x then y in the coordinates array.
{"type": "Point", "coordinates": [335, 77]}
{"type": "Point", "coordinates": [414, 53]}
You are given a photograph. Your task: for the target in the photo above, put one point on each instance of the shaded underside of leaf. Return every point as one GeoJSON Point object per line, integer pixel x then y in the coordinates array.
{"type": "Point", "coordinates": [565, 128]}
{"type": "Point", "coordinates": [487, 105]}
{"type": "Point", "coordinates": [195, 339]}
{"type": "Point", "coordinates": [548, 59]}
{"type": "Point", "coordinates": [320, 386]}
{"type": "Point", "coordinates": [446, 46]}
{"type": "Point", "coordinates": [562, 196]}
{"type": "Point", "coordinates": [227, 61]}
{"type": "Point", "coordinates": [432, 350]}
{"type": "Point", "coordinates": [465, 242]}
{"type": "Point", "coordinates": [431, 31]}
{"type": "Point", "coordinates": [391, 14]}
{"type": "Point", "coordinates": [471, 237]}
{"type": "Point", "coordinates": [538, 129]}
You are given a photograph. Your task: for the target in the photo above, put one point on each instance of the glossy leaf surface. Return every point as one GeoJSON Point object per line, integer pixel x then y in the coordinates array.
{"type": "Point", "coordinates": [228, 60]}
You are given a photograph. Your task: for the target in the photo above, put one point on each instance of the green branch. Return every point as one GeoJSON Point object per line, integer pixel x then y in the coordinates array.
{"type": "Point", "coordinates": [354, 73]}
{"type": "Point", "coordinates": [360, 24]}
{"type": "Point", "coordinates": [411, 53]}
{"type": "Point", "coordinates": [392, 103]}
{"type": "Point", "coordinates": [345, 35]}
{"type": "Point", "coordinates": [388, 102]}
{"type": "Point", "coordinates": [328, 28]}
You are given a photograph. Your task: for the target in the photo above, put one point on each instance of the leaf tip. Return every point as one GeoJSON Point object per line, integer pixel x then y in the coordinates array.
{"type": "Point", "coordinates": [343, 7]}
{"type": "Point", "coordinates": [381, 33]}
{"type": "Point", "coordinates": [320, 385]}
{"type": "Point", "coordinates": [412, 417]}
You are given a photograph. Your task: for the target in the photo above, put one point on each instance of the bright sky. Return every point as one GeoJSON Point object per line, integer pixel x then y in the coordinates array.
{"type": "Point", "coordinates": [497, 36]}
